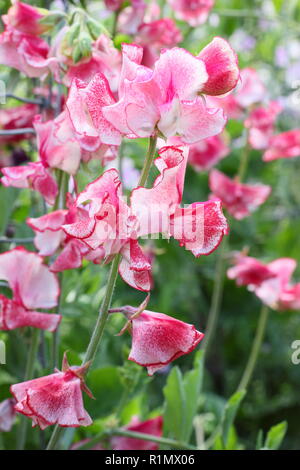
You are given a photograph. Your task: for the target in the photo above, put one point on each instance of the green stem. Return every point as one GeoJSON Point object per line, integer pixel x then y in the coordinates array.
{"type": "Point", "coordinates": [56, 334]}
{"type": "Point", "coordinates": [148, 161]}
{"type": "Point", "coordinates": [137, 435]}
{"type": "Point", "coordinates": [256, 346]}
{"type": "Point", "coordinates": [29, 373]}
{"type": "Point", "coordinates": [216, 298]}
{"type": "Point", "coordinates": [103, 313]}
{"type": "Point", "coordinates": [244, 159]}
{"type": "Point", "coordinates": [115, 24]}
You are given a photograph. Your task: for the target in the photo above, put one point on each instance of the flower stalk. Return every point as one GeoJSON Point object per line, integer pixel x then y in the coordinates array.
{"type": "Point", "coordinates": [256, 346]}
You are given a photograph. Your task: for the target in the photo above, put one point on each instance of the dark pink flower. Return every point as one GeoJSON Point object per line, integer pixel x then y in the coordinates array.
{"type": "Point", "coordinates": [194, 12]}
{"type": "Point", "coordinates": [222, 67]}
{"type": "Point", "coordinates": [54, 399]}
{"type": "Point", "coordinates": [270, 282]}
{"type": "Point", "coordinates": [167, 97]}
{"type": "Point", "coordinates": [113, 5]}
{"type": "Point", "coordinates": [50, 237]}
{"type": "Point", "coordinates": [285, 145]}
{"type": "Point", "coordinates": [154, 36]}
{"type": "Point", "coordinates": [56, 143]}
{"type": "Point", "coordinates": [34, 176]}
{"type": "Point", "coordinates": [207, 153]}
{"type": "Point", "coordinates": [26, 53]}
{"type": "Point", "coordinates": [111, 224]}
{"type": "Point", "coordinates": [33, 287]}
{"type": "Point", "coordinates": [16, 118]}
{"type": "Point", "coordinates": [260, 123]}
{"type": "Point", "coordinates": [25, 18]}
{"type": "Point", "coordinates": [279, 293]}
{"type": "Point", "coordinates": [158, 339]}
{"type": "Point", "coordinates": [249, 271]}
{"type": "Point", "coordinates": [7, 414]}
{"type": "Point", "coordinates": [239, 199]}
{"type": "Point", "coordinates": [151, 426]}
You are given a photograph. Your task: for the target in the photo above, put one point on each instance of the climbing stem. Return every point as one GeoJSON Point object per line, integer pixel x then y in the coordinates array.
{"type": "Point", "coordinates": [29, 374]}
{"type": "Point", "coordinates": [256, 346]}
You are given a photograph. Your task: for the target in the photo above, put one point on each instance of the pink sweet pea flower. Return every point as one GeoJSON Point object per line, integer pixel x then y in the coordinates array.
{"type": "Point", "coordinates": [33, 286]}
{"type": "Point", "coordinates": [58, 146]}
{"type": "Point", "coordinates": [85, 105]}
{"type": "Point", "coordinates": [105, 59]}
{"type": "Point", "coordinates": [115, 227]}
{"type": "Point", "coordinates": [34, 176]}
{"type": "Point", "coordinates": [56, 143]}
{"type": "Point", "coordinates": [207, 153]}
{"type": "Point", "coordinates": [54, 399]}
{"type": "Point", "coordinates": [113, 5]}
{"type": "Point", "coordinates": [50, 236]}
{"type": "Point", "coordinates": [285, 145]}
{"type": "Point", "coordinates": [7, 414]}
{"type": "Point", "coordinates": [26, 53]}
{"type": "Point", "coordinates": [239, 199]}
{"type": "Point", "coordinates": [278, 292]}
{"type": "Point", "coordinates": [151, 426]}
{"type": "Point", "coordinates": [132, 17]}
{"type": "Point", "coordinates": [16, 118]}
{"type": "Point", "coordinates": [194, 12]}
{"type": "Point", "coordinates": [25, 18]}
{"type": "Point", "coordinates": [154, 36]}
{"type": "Point", "coordinates": [158, 339]}
{"type": "Point", "coordinates": [249, 271]}
{"type": "Point", "coordinates": [167, 97]}
{"type": "Point", "coordinates": [251, 90]}
{"type": "Point", "coordinates": [270, 282]}
{"type": "Point", "coordinates": [260, 123]}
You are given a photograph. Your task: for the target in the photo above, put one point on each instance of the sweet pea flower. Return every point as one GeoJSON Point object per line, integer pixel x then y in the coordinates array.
{"type": "Point", "coordinates": [50, 237]}
{"type": "Point", "coordinates": [270, 282]}
{"type": "Point", "coordinates": [194, 12]}
{"type": "Point", "coordinates": [105, 58]}
{"type": "Point", "coordinates": [25, 18]}
{"type": "Point", "coordinates": [284, 145]}
{"type": "Point", "coordinates": [260, 123]}
{"type": "Point", "coordinates": [151, 426]}
{"type": "Point", "coordinates": [157, 339]}
{"type": "Point", "coordinates": [251, 89]}
{"type": "Point", "coordinates": [156, 35]}
{"type": "Point", "coordinates": [132, 17]}
{"type": "Point", "coordinates": [7, 414]}
{"type": "Point", "coordinates": [33, 176]}
{"type": "Point", "coordinates": [58, 146]}
{"type": "Point", "coordinates": [33, 287]}
{"type": "Point", "coordinates": [55, 398]}
{"type": "Point", "coordinates": [207, 153]}
{"type": "Point", "coordinates": [85, 106]}
{"type": "Point", "coordinates": [26, 53]}
{"type": "Point", "coordinates": [249, 271]}
{"type": "Point", "coordinates": [167, 98]}
{"type": "Point", "coordinates": [16, 118]}
{"type": "Point", "coordinates": [239, 199]}
{"type": "Point", "coordinates": [113, 5]}
{"type": "Point", "coordinates": [279, 293]}
{"type": "Point", "coordinates": [115, 226]}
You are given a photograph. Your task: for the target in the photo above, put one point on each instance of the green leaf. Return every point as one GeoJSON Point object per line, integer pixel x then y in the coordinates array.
{"type": "Point", "coordinates": [275, 436]}
{"type": "Point", "coordinates": [175, 405]}
{"type": "Point", "coordinates": [192, 387]}
{"type": "Point", "coordinates": [230, 411]}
